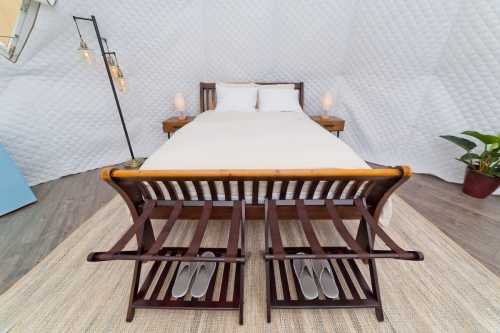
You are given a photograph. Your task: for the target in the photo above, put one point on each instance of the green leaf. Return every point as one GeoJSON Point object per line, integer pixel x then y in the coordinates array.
{"type": "Point", "coordinates": [493, 147]}
{"type": "Point", "coordinates": [464, 143]}
{"type": "Point", "coordinates": [485, 138]}
{"type": "Point", "coordinates": [469, 157]}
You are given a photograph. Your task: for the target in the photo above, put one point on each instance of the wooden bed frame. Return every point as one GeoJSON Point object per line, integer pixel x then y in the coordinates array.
{"type": "Point", "coordinates": [327, 194]}
{"type": "Point", "coordinates": [208, 94]}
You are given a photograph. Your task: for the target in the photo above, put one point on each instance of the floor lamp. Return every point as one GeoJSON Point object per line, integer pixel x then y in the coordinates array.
{"type": "Point", "coordinates": [114, 72]}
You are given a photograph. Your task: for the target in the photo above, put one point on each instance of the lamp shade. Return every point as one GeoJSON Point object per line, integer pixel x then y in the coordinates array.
{"type": "Point", "coordinates": [179, 102]}
{"type": "Point", "coordinates": [85, 52]}
{"type": "Point", "coordinates": [327, 101]}
{"type": "Point", "coordinates": [113, 68]}
{"type": "Point", "coordinates": [121, 82]}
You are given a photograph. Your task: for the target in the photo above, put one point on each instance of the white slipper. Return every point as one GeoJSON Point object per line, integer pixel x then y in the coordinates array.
{"type": "Point", "coordinates": [324, 274]}
{"type": "Point", "coordinates": [183, 279]}
{"type": "Point", "coordinates": [204, 273]}
{"type": "Point", "coordinates": [304, 272]}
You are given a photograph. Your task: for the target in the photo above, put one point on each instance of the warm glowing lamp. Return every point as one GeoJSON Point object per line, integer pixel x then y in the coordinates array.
{"type": "Point", "coordinates": [120, 80]}
{"type": "Point", "coordinates": [85, 52]}
{"type": "Point", "coordinates": [326, 104]}
{"type": "Point", "coordinates": [180, 106]}
{"type": "Point", "coordinates": [113, 67]}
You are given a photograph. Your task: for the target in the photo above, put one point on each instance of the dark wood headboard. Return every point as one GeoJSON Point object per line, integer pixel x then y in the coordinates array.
{"type": "Point", "coordinates": [208, 98]}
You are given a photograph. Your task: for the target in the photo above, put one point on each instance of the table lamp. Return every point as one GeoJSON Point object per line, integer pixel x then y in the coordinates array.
{"type": "Point", "coordinates": [180, 106]}
{"type": "Point", "coordinates": [326, 104]}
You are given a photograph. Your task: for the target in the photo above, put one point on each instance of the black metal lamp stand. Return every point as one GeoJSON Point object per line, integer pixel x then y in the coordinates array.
{"type": "Point", "coordinates": [133, 163]}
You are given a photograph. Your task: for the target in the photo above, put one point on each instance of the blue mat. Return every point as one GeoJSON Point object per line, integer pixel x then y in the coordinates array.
{"type": "Point", "coordinates": [14, 190]}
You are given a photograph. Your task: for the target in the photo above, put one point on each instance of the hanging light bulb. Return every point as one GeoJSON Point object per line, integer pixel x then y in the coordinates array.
{"type": "Point", "coordinates": [85, 52]}
{"type": "Point", "coordinates": [113, 67]}
{"type": "Point", "coordinates": [120, 81]}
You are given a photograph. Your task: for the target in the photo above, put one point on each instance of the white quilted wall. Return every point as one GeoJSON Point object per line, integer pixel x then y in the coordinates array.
{"type": "Point", "coordinates": [405, 72]}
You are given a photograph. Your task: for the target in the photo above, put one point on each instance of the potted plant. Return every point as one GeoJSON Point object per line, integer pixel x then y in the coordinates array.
{"type": "Point", "coordinates": [482, 176]}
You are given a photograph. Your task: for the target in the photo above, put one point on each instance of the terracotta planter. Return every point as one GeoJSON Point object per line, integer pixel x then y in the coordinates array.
{"type": "Point", "coordinates": [479, 185]}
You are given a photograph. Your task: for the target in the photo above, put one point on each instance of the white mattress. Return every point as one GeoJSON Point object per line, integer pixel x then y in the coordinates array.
{"type": "Point", "coordinates": [255, 140]}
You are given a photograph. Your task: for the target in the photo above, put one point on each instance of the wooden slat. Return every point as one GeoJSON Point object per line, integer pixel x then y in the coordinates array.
{"type": "Point", "coordinates": [361, 280]}
{"type": "Point", "coordinates": [308, 228]}
{"type": "Point", "coordinates": [202, 99]}
{"type": "Point", "coordinates": [241, 190]}
{"type": "Point", "coordinates": [135, 228]}
{"type": "Point", "coordinates": [157, 189]}
{"type": "Point", "coordinates": [149, 279]}
{"type": "Point", "coordinates": [269, 189]}
{"type": "Point", "coordinates": [348, 280]}
{"type": "Point", "coordinates": [272, 282]}
{"type": "Point", "coordinates": [144, 191]}
{"type": "Point", "coordinates": [161, 281]}
{"type": "Point", "coordinates": [211, 286]}
{"type": "Point", "coordinates": [184, 190]}
{"type": "Point", "coordinates": [312, 189]}
{"type": "Point", "coordinates": [298, 189]}
{"type": "Point", "coordinates": [367, 189]}
{"type": "Point", "coordinates": [284, 280]}
{"type": "Point", "coordinates": [234, 231]}
{"type": "Point", "coordinates": [200, 230]}
{"type": "Point", "coordinates": [378, 231]}
{"type": "Point", "coordinates": [274, 229]}
{"type": "Point", "coordinates": [298, 290]}
{"type": "Point", "coordinates": [227, 190]}
{"type": "Point", "coordinates": [353, 189]}
{"type": "Point", "coordinates": [165, 231]}
{"type": "Point", "coordinates": [326, 188]}
{"type": "Point", "coordinates": [339, 189]}
{"type": "Point", "coordinates": [168, 293]}
{"type": "Point", "coordinates": [213, 190]}
{"type": "Point", "coordinates": [283, 190]}
{"type": "Point", "coordinates": [255, 192]}
{"type": "Point", "coordinates": [225, 282]}
{"type": "Point", "coordinates": [214, 103]}
{"type": "Point", "coordinates": [341, 229]}
{"type": "Point", "coordinates": [199, 190]}
{"type": "Point", "coordinates": [337, 281]}
{"type": "Point", "coordinates": [171, 190]}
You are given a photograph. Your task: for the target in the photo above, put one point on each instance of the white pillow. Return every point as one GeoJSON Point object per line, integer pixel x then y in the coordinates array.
{"type": "Point", "coordinates": [234, 98]}
{"type": "Point", "coordinates": [275, 100]}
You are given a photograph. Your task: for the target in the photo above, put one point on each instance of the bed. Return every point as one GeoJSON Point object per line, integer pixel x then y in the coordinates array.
{"type": "Point", "coordinates": [239, 166]}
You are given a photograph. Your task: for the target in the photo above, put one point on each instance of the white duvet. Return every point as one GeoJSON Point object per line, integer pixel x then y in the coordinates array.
{"type": "Point", "coordinates": [255, 140]}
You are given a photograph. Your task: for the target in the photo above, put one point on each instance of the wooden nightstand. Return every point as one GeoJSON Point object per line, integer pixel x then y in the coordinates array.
{"type": "Point", "coordinates": [173, 124]}
{"type": "Point", "coordinates": [332, 124]}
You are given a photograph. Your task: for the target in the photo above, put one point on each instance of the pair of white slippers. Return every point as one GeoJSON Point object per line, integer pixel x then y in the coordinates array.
{"type": "Point", "coordinates": [195, 276]}
{"type": "Point", "coordinates": [307, 270]}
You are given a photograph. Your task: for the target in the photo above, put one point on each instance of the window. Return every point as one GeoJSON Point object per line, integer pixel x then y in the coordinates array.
{"type": "Point", "coordinates": [17, 18]}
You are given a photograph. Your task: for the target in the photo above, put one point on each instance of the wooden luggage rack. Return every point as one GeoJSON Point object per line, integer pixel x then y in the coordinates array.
{"type": "Point", "coordinates": [341, 259]}
{"type": "Point", "coordinates": [239, 195]}
{"type": "Point", "coordinates": [166, 259]}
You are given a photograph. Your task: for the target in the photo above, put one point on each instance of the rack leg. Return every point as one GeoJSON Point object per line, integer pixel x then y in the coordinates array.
{"type": "Point", "coordinates": [242, 292]}
{"type": "Point", "coordinates": [268, 291]}
{"type": "Point", "coordinates": [373, 270]}
{"type": "Point", "coordinates": [133, 290]}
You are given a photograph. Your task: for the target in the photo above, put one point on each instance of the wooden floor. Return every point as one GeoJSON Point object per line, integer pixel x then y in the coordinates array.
{"type": "Point", "coordinates": [28, 235]}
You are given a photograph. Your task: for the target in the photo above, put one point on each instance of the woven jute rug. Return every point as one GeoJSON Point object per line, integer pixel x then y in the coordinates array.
{"type": "Point", "coordinates": [449, 291]}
